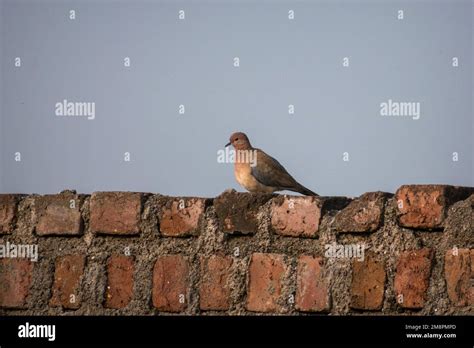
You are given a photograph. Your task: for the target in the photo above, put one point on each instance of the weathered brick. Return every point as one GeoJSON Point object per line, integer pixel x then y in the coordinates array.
{"type": "Point", "coordinates": [412, 277]}
{"type": "Point", "coordinates": [312, 287]}
{"type": "Point", "coordinates": [180, 217]}
{"type": "Point", "coordinates": [266, 275]}
{"type": "Point", "coordinates": [237, 212]}
{"type": "Point", "coordinates": [8, 208]}
{"type": "Point", "coordinates": [58, 214]}
{"type": "Point", "coordinates": [471, 290]}
{"type": "Point", "coordinates": [425, 206]}
{"type": "Point", "coordinates": [368, 283]}
{"type": "Point", "coordinates": [214, 290]}
{"type": "Point", "coordinates": [364, 214]}
{"type": "Point", "coordinates": [68, 276]}
{"type": "Point", "coordinates": [115, 213]}
{"type": "Point", "coordinates": [15, 282]}
{"type": "Point", "coordinates": [119, 291]}
{"type": "Point", "coordinates": [457, 272]}
{"type": "Point", "coordinates": [296, 216]}
{"type": "Point", "coordinates": [171, 283]}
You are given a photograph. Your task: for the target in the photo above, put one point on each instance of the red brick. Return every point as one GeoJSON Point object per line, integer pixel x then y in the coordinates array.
{"type": "Point", "coordinates": [119, 291]}
{"type": "Point", "coordinates": [364, 214]}
{"type": "Point", "coordinates": [214, 290]}
{"type": "Point", "coordinates": [412, 277]}
{"type": "Point", "coordinates": [58, 214]}
{"type": "Point", "coordinates": [457, 272]}
{"type": "Point", "coordinates": [180, 217]}
{"type": "Point", "coordinates": [171, 283]}
{"type": "Point", "coordinates": [237, 212]}
{"type": "Point", "coordinates": [471, 291]}
{"type": "Point", "coordinates": [8, 208]}
{"type": "Point", "coordinates": [115, 213]}
{"type": "Point", "coordinates": [312, 287]}
{"type": "Point", "coordinates": [296, 216]}
{"type": "Point", "coordinates": [425, 206]}
{"type": "Point", "coordinates": [368, 283]}
{"type": "Point", "coordinates": [15, 282]}
{"type": "Point", "coordinates": [68, 276]}
{"type": "Point", "coordinates": [266, 275]}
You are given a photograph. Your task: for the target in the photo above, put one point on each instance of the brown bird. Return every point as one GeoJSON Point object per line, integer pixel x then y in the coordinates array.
{"type": "Point", "coordinates": [258, 172]}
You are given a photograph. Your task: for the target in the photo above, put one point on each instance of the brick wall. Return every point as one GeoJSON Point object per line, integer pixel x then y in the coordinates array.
{"type": "Point", "coordinates": [146, 254]}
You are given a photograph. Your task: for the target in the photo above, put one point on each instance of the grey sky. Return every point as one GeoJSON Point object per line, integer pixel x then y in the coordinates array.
{"type": "Point", "coordinates": [190, 62]}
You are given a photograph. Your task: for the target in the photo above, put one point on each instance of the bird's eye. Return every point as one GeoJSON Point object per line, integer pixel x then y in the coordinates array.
{"type": "Point", "coordinates": [236, 139]}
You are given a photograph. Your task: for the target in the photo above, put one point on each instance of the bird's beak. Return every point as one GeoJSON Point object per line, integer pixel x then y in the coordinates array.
{"type": "Point", "coordinates": [228, 144]}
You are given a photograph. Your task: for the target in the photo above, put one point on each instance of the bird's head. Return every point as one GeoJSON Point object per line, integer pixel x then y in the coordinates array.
{"type": "Point", "coordinates": [239, 141]}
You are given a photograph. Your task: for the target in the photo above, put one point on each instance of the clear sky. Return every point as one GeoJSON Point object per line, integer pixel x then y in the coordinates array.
{"type": "Point", "coordinates": [336, 142]}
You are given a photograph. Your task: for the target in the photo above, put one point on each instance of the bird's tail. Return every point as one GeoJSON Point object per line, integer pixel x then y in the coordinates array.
{"type": "Point", "coordinates": [304, 191]}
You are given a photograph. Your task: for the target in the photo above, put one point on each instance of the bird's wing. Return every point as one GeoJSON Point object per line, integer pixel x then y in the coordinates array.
{"type": "Point", "coordinates": [268, 171]}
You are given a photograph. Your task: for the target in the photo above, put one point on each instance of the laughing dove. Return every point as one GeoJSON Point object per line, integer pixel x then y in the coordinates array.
{"type": "Point", "coordinates": [258, 172]}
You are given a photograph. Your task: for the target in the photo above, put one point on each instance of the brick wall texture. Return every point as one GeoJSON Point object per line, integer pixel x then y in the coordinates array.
{"type": "Point", "coordinates": [132, 253]}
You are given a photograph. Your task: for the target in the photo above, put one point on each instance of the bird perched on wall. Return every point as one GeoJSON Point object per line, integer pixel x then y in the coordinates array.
{"type": "Point", "coordinates": [258, 172]}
